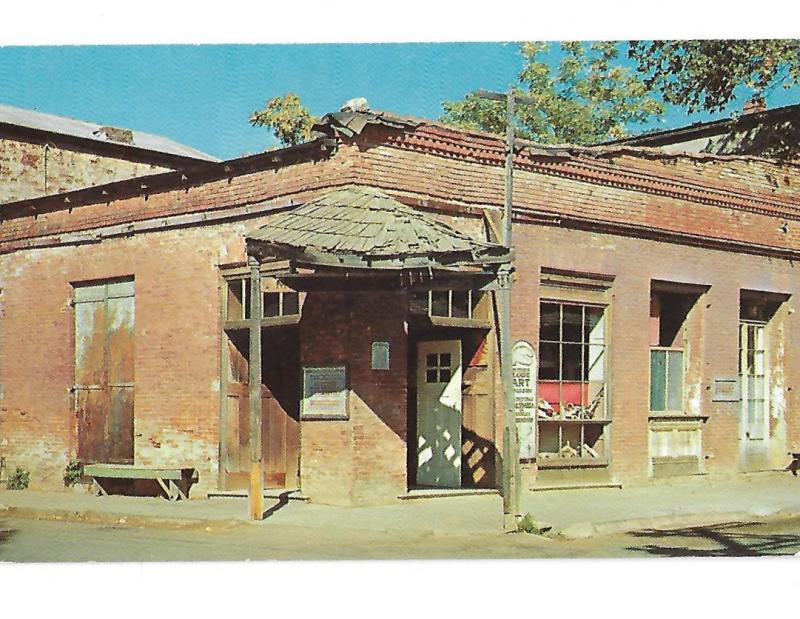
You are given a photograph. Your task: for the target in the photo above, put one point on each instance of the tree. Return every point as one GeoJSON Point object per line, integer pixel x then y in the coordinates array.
{"type": "Point", "coordinates": [289, 120]}
{"type": "Point", "coordinates": [706, 74]}
{"type": "Point", "coordinates": [591, 97]}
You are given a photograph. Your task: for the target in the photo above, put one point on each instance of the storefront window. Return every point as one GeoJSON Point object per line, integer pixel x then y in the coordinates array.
{"type": "Point", "coordinates": [571, 361]}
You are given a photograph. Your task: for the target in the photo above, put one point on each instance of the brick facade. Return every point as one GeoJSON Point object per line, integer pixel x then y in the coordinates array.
{"type": "Point", "coordinates": [703, 221]}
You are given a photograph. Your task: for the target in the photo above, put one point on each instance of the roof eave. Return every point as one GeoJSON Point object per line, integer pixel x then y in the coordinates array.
{"type": "Point", "coordinates": [264, 249]}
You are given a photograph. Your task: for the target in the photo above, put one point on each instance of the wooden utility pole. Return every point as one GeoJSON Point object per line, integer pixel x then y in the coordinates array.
{"type": "Point", "coordinates": [512, 486]}
{"type": "Point", "coordinates": [256, 488]}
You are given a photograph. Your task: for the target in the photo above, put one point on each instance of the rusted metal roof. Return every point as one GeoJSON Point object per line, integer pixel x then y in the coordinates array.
{"type": "Point", "coordinates": [359, 226]}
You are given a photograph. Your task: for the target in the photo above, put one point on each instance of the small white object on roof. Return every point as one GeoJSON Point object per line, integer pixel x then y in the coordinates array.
{"type": "Point", "coordinates": [359, 104]}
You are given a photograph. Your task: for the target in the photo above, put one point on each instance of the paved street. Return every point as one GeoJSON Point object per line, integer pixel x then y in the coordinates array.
{"type": "Point", "coordinates": [42, 541]}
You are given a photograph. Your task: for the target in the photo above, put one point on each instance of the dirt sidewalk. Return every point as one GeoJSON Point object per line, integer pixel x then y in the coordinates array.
{"type": "Point", "coordinates": [569, 513]}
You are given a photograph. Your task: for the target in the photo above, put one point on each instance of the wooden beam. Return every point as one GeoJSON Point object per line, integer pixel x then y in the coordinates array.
{"type": "Point", "coordinates": [256, 489]}
{"type": "Point", "coordinates": [224, 370]}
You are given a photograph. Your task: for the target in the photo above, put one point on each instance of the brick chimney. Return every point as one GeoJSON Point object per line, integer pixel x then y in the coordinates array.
{"type": "Point", "coordinates": [115, 134]}
{"type": "Point", "coordinates": [755, 105]}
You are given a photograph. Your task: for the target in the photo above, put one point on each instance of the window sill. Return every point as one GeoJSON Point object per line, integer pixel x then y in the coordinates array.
{"type": "Point", "coordinates": [676, 417]}
{"type": "Point", "coordinates": [571, 463]}
{"type": "Point", "coordinates": [271, 321]}
{"type": "Point", "coordinates": [449, 321]}
{"type": "Point", "coordinates": [573, 421]}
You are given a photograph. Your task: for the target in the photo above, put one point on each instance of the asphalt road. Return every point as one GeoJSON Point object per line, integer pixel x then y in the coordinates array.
{"type": "Point", "coordinates": [45, 541]}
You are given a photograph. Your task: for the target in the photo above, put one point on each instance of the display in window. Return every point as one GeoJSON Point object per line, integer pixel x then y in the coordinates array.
{"type": "Point", "coordinates": [572, 356]}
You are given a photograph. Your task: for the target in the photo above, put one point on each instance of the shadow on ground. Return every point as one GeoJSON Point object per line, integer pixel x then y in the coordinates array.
{"type": "Point", "coordinates": [5, 535]}
{"type": "Point", "coordinates": [732, 539]}
{"type": "Point", "coordinates": [283, 501]}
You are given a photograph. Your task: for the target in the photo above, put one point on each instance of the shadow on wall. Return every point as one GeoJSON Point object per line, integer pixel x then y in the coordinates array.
{"type": "Point", "coordinates": [732, 539]}
{"type": "Point", "coordinates": [477, 460]}
{"type": "Point", "coordinates": [343, 323]}
{"type": "Point", "coordinates": [779, 139]}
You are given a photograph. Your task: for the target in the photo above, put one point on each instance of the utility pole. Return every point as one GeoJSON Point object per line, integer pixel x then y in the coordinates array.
{"type": "Point", "coordinates": [256, 487]}
{"type": "Point", "coordinates": [511, 482]}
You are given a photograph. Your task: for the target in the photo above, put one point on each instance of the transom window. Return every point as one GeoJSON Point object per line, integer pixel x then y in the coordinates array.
{"type": "Point", "coordinates": [278, 303]}
{"type": "Point", "coordinates": [438, 367]}
{"type": "Point", "coordinates": [447, 303]}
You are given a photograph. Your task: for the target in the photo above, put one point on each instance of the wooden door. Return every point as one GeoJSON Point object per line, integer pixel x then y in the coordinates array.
{"type": "Point", "coordinates": [439, 414]}
{"type": "Point", "coordinates": [104, 378]}
{"type": "Point", "coordinates": [280, 428]}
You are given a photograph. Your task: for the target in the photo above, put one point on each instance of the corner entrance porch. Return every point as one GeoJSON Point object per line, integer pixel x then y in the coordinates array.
{"type": "Point", "coordinates": [393, 358]}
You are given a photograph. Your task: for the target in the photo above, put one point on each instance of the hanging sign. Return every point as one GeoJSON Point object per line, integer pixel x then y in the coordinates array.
{"type": "Point", "coordinates": [524, 371]}
{"type": "Point", "coordinates": [324, 392]}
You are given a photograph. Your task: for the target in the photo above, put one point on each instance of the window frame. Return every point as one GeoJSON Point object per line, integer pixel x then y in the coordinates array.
{"type": "Point", "coordinates": [586, 345]}
{"type": "Point", "coordinates": [243, 281]}
{"type": "Point", "coordinates": [667, 350]}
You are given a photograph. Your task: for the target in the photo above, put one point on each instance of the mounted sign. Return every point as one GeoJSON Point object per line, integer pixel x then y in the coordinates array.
{"type": "Point", "coordinates": [380, 356]}
{"type": "Point", "coordinates": [725, 390]}
{"type": "Point", "coordinates": [524, 374]}
{"type": "Point", "coordinates": [324, 393]}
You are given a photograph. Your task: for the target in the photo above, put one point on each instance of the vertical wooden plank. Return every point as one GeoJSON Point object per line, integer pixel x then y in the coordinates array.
{"type": "Point", "coordinates": [120, 376]}
{"type": "Point", "coordinates": [224, 374]}
{"type": "Point", "coordinates": [90, 378]}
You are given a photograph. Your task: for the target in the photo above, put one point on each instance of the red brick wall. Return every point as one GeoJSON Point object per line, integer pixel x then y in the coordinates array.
{"type": "Point", "coordinates": [363, 459]}
{"type": "Point", "coordinates": [176, 350]}
{"type": "Point", "coordinates": [713, 336]}
{"type": "Point", "coordinates": [435, 179]}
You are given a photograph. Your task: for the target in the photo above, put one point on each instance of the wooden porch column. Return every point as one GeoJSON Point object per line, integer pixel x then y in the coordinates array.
{"type": "Point", "coordinates": [256, 489]}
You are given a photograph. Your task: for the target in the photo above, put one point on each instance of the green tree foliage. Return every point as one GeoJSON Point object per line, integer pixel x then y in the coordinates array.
{"type": "Point", "coordinates": [591, 97]}
{"type": "Point", "coordinates": [705, 74]}
{"type": "Point", "coordinates": [289, 120]}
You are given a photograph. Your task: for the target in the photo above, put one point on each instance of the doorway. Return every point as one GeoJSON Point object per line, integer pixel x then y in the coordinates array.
{"type": "Point", "coordinates": [280, 405]}
{"type": "Point", "coordinates": [104, 378]}
{"type": "Point", "coordinates": [439, 413]}
{"type": "Point", "coordinates": [753, 373]}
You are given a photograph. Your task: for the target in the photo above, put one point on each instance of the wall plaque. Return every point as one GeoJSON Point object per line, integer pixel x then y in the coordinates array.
{"type": "Point", "coordinates": [725, 389]}
{"type": "Point", "coordinates": [380, 356]}
{"type": "Point", "coordinates": [324, 393]}
{"type": "Point", "coordinates": [524, 371]}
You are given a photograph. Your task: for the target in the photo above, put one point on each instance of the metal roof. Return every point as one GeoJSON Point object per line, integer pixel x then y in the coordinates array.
{"type": "Point", "coordinates": [362, 226]}
{"type": "Point", "coordinates": [93, 131]}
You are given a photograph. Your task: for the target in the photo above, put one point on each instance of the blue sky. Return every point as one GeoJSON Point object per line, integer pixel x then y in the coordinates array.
{"type": "Point", "coordinates": [202, 95]}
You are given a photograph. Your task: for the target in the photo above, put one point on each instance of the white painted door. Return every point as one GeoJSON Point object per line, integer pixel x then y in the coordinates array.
{"type": "Point", "coordinates": [439, 414]}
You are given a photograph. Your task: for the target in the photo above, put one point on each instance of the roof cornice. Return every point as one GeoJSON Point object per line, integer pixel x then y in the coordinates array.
{"type": "Point", "coordinates": [201, 173]}
{"type": "Point", "coordinates": [584, 167]}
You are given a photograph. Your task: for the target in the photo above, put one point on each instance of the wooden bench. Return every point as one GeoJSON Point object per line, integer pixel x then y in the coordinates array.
{"type": "Point", "coordinates": [174, 482]}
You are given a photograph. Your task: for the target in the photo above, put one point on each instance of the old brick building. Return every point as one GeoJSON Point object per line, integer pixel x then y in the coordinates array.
{"type": "Point", "coordinates": [42, 154]}
{"type": "Point", "coordinates": [657, 290]}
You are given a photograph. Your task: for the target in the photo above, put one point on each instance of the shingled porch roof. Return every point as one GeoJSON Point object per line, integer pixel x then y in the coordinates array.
{"type": "Point", "coordinates": [362, 227]}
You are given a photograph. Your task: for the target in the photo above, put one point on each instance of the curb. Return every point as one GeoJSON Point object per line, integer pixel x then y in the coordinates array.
{"type": "Point", "coordinates": [585, 530]}
{"type": "Point", "coordinates": [120, 520]}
